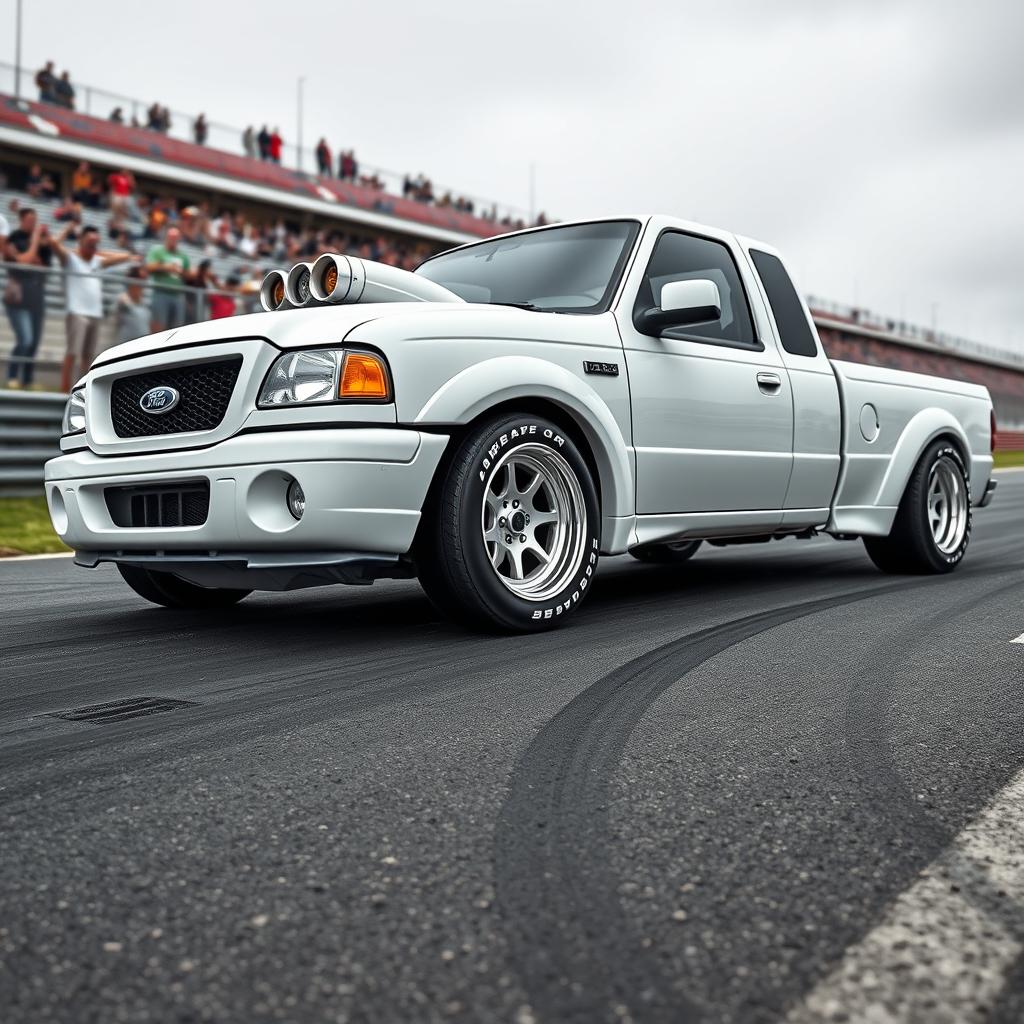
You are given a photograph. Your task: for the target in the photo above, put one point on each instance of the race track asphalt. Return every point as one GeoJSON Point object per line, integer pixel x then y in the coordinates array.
{"type": "Point", "coordinates": [703, 800]}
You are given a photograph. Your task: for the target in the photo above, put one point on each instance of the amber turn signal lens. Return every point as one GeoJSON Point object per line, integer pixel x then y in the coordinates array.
{"type": "Point", "coordinates": [363, 376]}
{"type": "Point", "coordinates": [330, 279]}
{"type": "Point", "coordinates": [279, 292]}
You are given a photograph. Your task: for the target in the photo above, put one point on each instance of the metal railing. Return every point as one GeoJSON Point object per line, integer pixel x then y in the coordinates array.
{"type": "Point", "coordinates": [952, 343]}
{"type": "Point", "coordinates": [51, 343]}
{"type": "Point", "coordinates": [101, 103]}
{"type": "Point", "coordinates": [29, 436]}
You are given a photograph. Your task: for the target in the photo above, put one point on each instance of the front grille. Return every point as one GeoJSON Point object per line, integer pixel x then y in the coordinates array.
{"type": "Point", "coordinates": [204, 390]}
{"type": "Point", "coordinates": [175, 505]}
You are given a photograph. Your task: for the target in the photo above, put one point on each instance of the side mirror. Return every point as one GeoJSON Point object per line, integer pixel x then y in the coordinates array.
{"type": "Point", "coordinates": [683, 303]}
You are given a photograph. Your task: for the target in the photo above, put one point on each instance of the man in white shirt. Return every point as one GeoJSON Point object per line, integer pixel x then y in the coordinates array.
{"type": "Point", "coordinates": [84, 298]}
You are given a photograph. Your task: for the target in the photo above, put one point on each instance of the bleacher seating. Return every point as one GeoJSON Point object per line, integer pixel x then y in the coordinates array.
{"type": "Point", "coordinates": [78, 127]}
{"type": "Point", "coordinates": [52, 345]}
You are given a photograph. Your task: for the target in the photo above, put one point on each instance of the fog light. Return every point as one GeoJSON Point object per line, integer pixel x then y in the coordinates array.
{"type": "Point", "coordinates": [296, 499]}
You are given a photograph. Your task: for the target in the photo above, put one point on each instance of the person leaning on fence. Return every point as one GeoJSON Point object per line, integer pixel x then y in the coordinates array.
{"type": "Point", "coordinates": [167, 266]}
{"type": "Point", "coordinates": [84, 292]}
{"type": "Point", "coordinates": [24, 293]}
{"type": "Point", "coordinates": [131, 314]}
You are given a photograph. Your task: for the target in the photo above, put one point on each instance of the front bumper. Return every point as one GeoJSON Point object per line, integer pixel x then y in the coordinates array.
{"type": "Point", "coordinates": [364, 489]}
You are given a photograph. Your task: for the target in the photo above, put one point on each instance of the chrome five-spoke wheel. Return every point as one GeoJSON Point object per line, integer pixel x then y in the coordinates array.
{"type": "Point", "coordinates": [947, 504]}
{"type": "Point", "coordinates": [533, 521]}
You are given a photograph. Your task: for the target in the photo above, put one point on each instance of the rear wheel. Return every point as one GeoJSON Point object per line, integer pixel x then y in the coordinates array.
{"type": "Point", "coordinates": [171, 591]}
{"type": "Point", "coordinates": [510, 536]}
{"type": "Point", "coordinates": [666, 554]}
{"type": "Point", "coordinates": [933, 524]}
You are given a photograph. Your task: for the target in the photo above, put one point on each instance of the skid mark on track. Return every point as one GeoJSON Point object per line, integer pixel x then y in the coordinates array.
{"type": "Point", "coordinates": [868, 706]}
{"type": "Point", "coordinates": [942, 951]}
{"type": "Point", "coordinates": [568, 934]}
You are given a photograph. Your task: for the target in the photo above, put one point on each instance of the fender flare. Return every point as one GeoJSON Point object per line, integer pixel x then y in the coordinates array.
{"type": "Point", "coordinates": [472, 392]}
{"type": "Point", "coordinates": [922, 429]}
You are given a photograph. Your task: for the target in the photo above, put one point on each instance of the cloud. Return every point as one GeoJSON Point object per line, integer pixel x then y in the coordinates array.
{"type": "Point", "coordinates": [879, 143]}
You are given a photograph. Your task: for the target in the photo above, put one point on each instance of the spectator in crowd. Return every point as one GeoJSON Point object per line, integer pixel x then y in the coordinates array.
{"type": "Point", "coordinates": [222, 303]}
{"type": "Point", "coordinates": [84, 298]}
{"type": "Point", "coordinates": [323, 158]}
{"type": "Point", "coordinates": [5, 230]}
{"type": "Point", "coordinates": [68, 210]}
{"type": "Point", "coordinates": [190, 225]}
{"type": "Point", "coordinates": [419, 188]}
{"type": "Point", "coordinates": [46, 83]}
{"type": "Point", "coordinates": [249, 142]}
{"type": "Point", "coordinates": [263, 141]}
{"type": "Point", "coordinates": [347, 166]}
{"type": "Point", "coordinates": [65, 91]}
{"type": "Point", "coordinates": [131, 314]}
{"type": "Point", "coordinates": [24, 301]}
{"type": "Point", "coordinates": [200, 130]}
{"type": "Point", "coordinates": [167, 266]}
{"type": "Point", "coordinates": [39, 185]}
{"type": "Point", "coordinates": [117, 116]}
{"type": "Point", "coordinates": [120, 188]}
{"type": "Point", "coordinates": [158, 119]}
{"type": "Point", "coordinates": [122, 240]}
{"type": "Point", "coordinates": [84, 188]}
{"type": "Point", "coordinates": [202, 279]}
{"type": "Point", "coordinates": [157, 218]}
{"type": "Point", "coordinates": [276, 145]}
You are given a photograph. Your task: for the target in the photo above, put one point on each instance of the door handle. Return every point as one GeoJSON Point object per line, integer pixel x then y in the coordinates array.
{"type": "Point", "coordinates": [769, 383]}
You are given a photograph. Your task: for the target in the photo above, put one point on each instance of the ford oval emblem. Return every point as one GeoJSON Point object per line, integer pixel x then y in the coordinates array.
{"type": "Point", "coordinates": [157, 401]}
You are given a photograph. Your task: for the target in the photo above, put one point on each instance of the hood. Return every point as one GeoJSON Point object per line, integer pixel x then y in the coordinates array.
{"type": "Point", "coordinates": [377, 322]}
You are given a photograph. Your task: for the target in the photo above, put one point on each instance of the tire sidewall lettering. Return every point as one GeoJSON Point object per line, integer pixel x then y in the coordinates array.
{"type": "Point", "coordinates": [957, 556]}
{"type": "Point", "coordinates": [506, 436]}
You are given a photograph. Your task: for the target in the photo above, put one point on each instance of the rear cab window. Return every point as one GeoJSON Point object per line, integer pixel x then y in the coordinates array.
{"type": "Point", "coordinates": [794, 331]}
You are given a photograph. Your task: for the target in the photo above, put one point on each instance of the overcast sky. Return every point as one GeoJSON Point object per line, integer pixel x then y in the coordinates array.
{"type": "Point", "coordinates": [879, 143]}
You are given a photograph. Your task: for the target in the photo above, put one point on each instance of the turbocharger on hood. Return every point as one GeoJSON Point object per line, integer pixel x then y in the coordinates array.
{"type": "Point", "coordinates": [335, 278]}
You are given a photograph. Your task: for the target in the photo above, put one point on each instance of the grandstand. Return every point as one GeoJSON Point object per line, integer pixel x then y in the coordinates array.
{"type": "Point", "coordinates": [292, 215]}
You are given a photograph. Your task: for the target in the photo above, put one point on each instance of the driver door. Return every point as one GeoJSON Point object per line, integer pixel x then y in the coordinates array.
{"type": "Point", "coordinates": [711, 403]}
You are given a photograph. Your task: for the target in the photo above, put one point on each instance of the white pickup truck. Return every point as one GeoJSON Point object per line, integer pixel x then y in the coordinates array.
{"type": "Point", "coordinates": [495, 421]}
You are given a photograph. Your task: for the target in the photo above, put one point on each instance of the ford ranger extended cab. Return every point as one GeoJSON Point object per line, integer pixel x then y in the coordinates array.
{"type": "Point", "coordinates": [497, 420]}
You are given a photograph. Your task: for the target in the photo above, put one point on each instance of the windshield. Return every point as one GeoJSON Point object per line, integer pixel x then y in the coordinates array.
{"type": "Point", "coordinates": [572, 269]}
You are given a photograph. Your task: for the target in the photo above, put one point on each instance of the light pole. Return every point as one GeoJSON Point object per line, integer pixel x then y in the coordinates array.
{"type": "Point", "coordinates": [298, 133]}
{"type": "Point", "coordinates": [17, 50]}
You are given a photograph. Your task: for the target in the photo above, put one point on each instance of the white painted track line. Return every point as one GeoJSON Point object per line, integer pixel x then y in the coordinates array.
{"type": "Point", "coordinates": [1019, 640]}
{"type": "Point", "coordinates": [941, 952]}
{"type": "Point", "coordinates": [32, 558]}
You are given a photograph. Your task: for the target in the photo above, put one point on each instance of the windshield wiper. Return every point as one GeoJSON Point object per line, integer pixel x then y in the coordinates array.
{"type": "Point", "coordinates": [517, 305]}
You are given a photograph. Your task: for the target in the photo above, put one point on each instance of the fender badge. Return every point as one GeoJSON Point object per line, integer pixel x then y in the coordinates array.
{"type": "Point", "coordinates": [604, 369]}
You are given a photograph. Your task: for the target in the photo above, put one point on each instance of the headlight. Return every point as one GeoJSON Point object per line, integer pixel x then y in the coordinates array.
{"type": "Point", "coordinates": [74, 413]}
{"type": "Point", "coordinates": [325, 375]}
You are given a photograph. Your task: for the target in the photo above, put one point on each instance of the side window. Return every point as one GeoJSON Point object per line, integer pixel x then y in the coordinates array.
{"type": "Point", "coordinates": [680, 257]}
{"type": "Point", "coordinates": [794, 331]}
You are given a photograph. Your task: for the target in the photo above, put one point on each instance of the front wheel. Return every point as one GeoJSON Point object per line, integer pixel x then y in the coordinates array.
{"type": "Point", "coordinates": [171, 591]}
{"type": "Point", "coordinates": [933, 523]}
{"type": "Point", "coordinates": [509, 539]}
